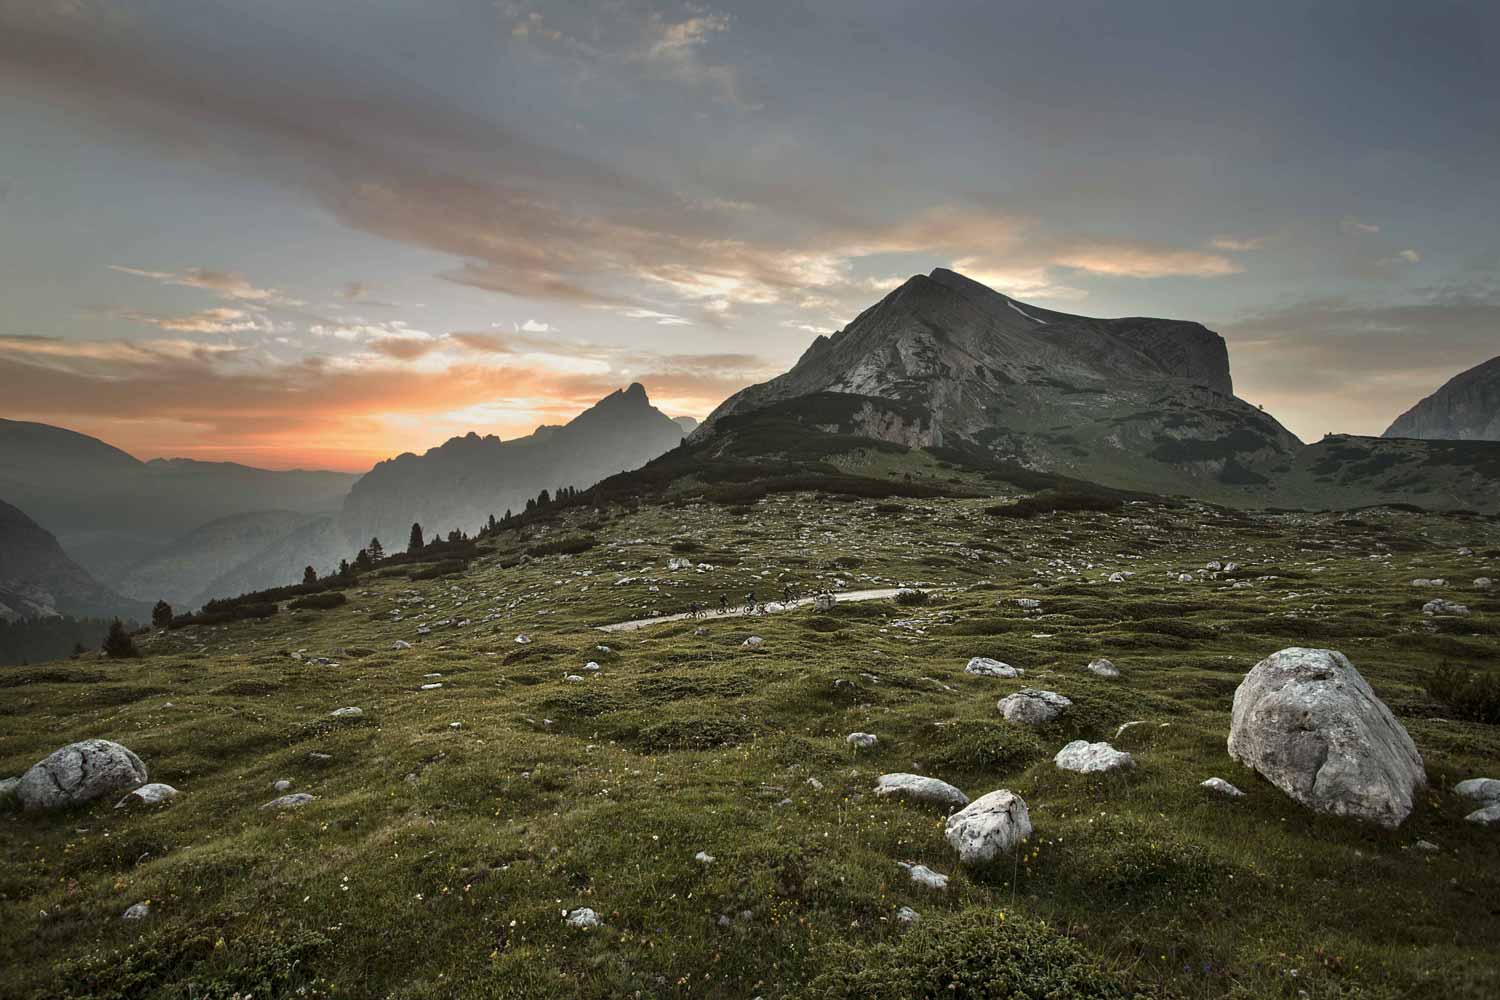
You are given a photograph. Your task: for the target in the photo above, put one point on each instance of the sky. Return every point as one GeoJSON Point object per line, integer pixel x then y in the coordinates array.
{"type": "Point", "coordinates": [316, 235]}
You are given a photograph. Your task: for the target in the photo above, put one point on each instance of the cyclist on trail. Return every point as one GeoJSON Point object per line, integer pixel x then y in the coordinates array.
{"type": "Point", "coordinates": [750, 603]}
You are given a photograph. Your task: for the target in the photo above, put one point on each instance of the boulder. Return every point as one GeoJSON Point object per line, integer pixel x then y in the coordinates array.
{"type": "Point", "coordinates": [983, 666]}
{"type": "Point", "coordinates": [148, 795]}
{"type": "Point", "coordinates": [1307, 721]}
{"type": "Point", "coordinates": [1033, 706]}
{"type": "Point", "coordinates": [924, 876]}
{"type": "Point", "coordinates": [1488, 816]}
{"type": "Point", "coordinates": [825, 602]}
{"type": "Point", "coordinates": [1485, 790]}
{"type": "Point", "coordinates": [861, 741]}
{"type": "Point", "coordinates": [1443, 606]}
{"type": "Point", "coordinates": [583, 919]}
{"type": "Point", "coordinates": [754, 642]}
{"type": "Point", "coordinates": [988, 827]}
{"type": "Point", "coordinates": [78, 773]}
{"type": "Point", "coordinates": [1103, 668]}
{"type": "Point", "coordinates": [348, 712]}
{"type": "Point", "coordinates": [1483, 583]}
{"type": "Point", "coordinates": [293, 801]}
{"type": "Point", "coordinates": [920, 789]}
{"type": "Point", "coordinates": [1092, 758]}
{"type": "Point", "coordinates": [906, 915]}
{"type": "Point", "coordinates": [1222, 787]}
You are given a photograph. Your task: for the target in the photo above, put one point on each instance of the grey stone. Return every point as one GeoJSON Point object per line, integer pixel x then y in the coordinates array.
{"type": "Point", "coordinates": [1488, 816]}
{"type": "Point", "coordinates": [753, 642]}
{"type": "Point", "coordinates": [1443, 606]}
{"type": "Point", "coordinates": [983, 666]}
{"type": "Point", "coordinates": [583, 919]}
{"type": "Point", "coordinates": [1222, 787]}
{"type": "Point", "coordinates": [917, 788]}
{"type": "Point", "coordinates": [137, 911]}
{"type": "Point", "coordinates": [1092, 758]}
{"type": "Point", "coordinates": [1307, 721]}
{"type": "Point", "coordinates": [148, 795]}
{"type": "Point", "coordinates": [1480, 789]}
{"type": "Point", "coordinates": [1103, 668]}
{"type": "Point", "coordinates": [924, 876]}
{"type": "Point", "coordinates": [906, 915]}
{"type": "Point", "coordinates": [1033, 706]}
{"type": "Point", "coordinates": [281, 785]}
{"type": "Point", "coordinates": [80, 772]}
{"type": "Point", "coordinates": [861, 741]}
{"type": "Point", "coordinates": [988, 827]}
{"type": "Point", "coordinates": [348, 712]}
{"type": "Point", "coordinates": [293, 801]}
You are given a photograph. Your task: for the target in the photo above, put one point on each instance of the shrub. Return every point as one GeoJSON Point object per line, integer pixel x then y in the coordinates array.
{"type": "Point", "coordinates": [912, 598]}
{"type": "Point", "coordinates": [1469, 694]}
{"type": "Point", "coordinates": [118, 645]}
{"type": "Point", "coordinates": [970, 955]}
{"type": "Point", "coordinates": [445, 568]}
{"type": "Point", "coordinates": [319, 602]}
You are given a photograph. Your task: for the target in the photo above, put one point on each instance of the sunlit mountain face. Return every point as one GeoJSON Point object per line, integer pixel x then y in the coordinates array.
{"type": "Point", "coordinates": [319, 235]}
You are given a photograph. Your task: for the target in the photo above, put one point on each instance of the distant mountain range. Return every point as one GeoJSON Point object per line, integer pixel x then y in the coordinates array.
{"type": "Point", "coordinates": [38, 579]}
{"type": "Point", "coordinates": [1466, 408]}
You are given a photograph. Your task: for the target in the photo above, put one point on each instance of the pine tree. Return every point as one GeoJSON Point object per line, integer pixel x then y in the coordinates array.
{"type": "Point", "coordinates": [345, 572]}
{"type": "Point", "coordinates": [377, 551]}
{"type": "Point", "coordinates": [118, 645]}
{"type": "Point", "coordinates": [309, 575]}
{"type": "Point", "coordinates": [362, 559]}
{"type": "Point", "coordinates": [415, 544]}
{"type": "Point", "coordinates": [492, 523]}
{"type": "Point", "coordinates": [161, 615]}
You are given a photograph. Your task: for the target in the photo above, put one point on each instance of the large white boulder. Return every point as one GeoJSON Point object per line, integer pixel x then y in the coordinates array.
{"type": "Point", "coordinates": [991, 825]}
{"type": "Point", "coordinates": [1033, 706]}
{"type": "Point", "coordinates": [1486, 790]}
{"type": "Point", "coordinates": [78, 773]}
{"type": "Point", "coordinates": [1308, 722]}
{"type": "Point", "coordinates": [920, 789]}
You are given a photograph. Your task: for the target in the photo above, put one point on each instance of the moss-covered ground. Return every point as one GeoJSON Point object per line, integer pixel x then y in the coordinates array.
{"type": "Point", "coordinates": [453, 827]}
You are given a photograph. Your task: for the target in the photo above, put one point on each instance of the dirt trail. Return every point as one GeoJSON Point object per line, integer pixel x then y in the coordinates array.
{"type": "Point", "coordinates": [739, 612]}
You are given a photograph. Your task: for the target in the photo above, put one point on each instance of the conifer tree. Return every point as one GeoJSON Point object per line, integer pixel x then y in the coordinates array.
{"type": "Point", "coordinates": [416, 543]}
{"type": "Point", "coordinates": [161, 615]}
{"type": "Point", "coordinates": [118, 645]}
{"type": "Point", "coordinates": [309, 575]}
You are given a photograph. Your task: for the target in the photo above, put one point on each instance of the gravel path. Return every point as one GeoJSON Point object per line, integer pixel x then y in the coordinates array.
{"type": "Point", "coordinates": [739, 612]}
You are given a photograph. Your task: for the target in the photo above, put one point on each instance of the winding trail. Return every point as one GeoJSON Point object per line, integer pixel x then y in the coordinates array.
{"type": "Point", "coordinates": [739, 612]}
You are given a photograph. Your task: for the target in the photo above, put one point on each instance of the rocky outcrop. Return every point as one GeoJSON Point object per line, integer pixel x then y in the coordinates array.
{"type": "Point", "coordinates": [1466, 408]}
{"type": "Point", "coordinates": [990, 826]}
{"type": "Point", "coordinates": [79, 773]}
{"type": "Point", "coordinates": [1307, 721]}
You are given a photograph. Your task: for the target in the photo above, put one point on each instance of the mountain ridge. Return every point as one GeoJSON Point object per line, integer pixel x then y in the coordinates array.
{"type": "Point", "coordinates": [1464, 408]}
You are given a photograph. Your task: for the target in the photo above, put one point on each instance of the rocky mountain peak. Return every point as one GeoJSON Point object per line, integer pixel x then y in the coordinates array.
{"type": "Point", "coordinates": [1465, 408]}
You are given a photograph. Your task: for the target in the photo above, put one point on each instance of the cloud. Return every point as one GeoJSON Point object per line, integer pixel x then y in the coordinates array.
{"type": "Point", "coordinates": [1126, 260]}
{"type": "Point", "coordinates": [1236, 243]}
{"type": "Point", "coordinates": [354, 291]}
{"type": "Point", "coordinates": [221, 320]}
{"type": "Point", "coordinates": [659, 318]}
{"type": "Point", "coordinates": [1352, 225]}
{"type": "Point", "coordinates": [404, 348]}
{"type": "Point", "coordinates": [221, 283]}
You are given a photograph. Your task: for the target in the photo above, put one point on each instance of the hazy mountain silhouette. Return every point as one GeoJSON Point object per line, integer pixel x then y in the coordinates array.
{"type": "Point", "coordinates": [38, 579]}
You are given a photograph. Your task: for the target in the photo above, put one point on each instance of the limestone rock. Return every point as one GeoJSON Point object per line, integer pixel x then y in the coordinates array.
{"type": "Point", "coordinates": [1092, 758]}
{"type": "Point", "coordinates": [1103, 668]}
{"type": "Point", "coordinates": [148, 795]}
{"type": "Point", "coordinates": [80, 772]}
{"type": "Point", "coordinates": [861, 741]}
{"type": "Point", "coordinates": [1307, 721]}
{"type": "Point", "coordinates": [583, 919]}
{"type": "Point", "coordinates": [293, 801]}
{"type": "Point", "coordinates": [137, 911]}
{"type": "Point", "coordinates": [983, 666]}
{"type": "Point", "coordinates": [1485, 790]}
{"type": "Point", "coordinates": [754, 642]}
{"type": "Point", "coordinates": [1033, 706]}
{"type": "Point", "coordinates": [348, 712]}
{"type": "Point", "coordinates": [1222, 787]}
{"type": "Point", "coordinates": [906, 915]}
{"type": "Point", "coordinates": [991, 825]}
{"type": "Point", "coordinates": [825, 603]}
{"type": "Point", "coordinates": [920, 789]}
{"type": "Point", "coordinates": [1442, 606]}
{"type": "Point", "coordinates": [924, 876]}
{"type": "Point", "coordinates": [1488, 816]}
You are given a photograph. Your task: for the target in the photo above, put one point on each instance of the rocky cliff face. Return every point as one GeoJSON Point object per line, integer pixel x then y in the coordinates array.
{"type": "Point", "coordinates": [1136, 401]}
{"type": "Point", "coordinates": [1466, 408]}
{"type": "Point", "coordinates": [38, 580]}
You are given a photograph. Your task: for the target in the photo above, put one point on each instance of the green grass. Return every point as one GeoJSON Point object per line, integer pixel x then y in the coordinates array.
{"type": "Point", "coordinates": [437, 861]}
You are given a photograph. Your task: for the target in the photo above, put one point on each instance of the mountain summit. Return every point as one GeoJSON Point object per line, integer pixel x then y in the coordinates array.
{"type": "Point", "coordinates": [946, 361]}
{"type": "Point", "coordinates": [1466, 408]}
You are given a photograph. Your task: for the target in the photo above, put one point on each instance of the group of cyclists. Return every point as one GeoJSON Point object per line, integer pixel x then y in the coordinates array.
{"type": "Point", "coordinates": [789, 593]}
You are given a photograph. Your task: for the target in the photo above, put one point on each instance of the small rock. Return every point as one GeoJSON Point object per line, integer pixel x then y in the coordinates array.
{"type": "Point", "coordinates": [523, 639]}
{"type": "Point", "coordinates": [1028, 603]}
{"type": "Point", "coordinates": [825, 603]}
{"type": "Point", "coordinates": [281, 785]}
{"type": "Point", "coordinates": [433, 686]}
{"type": "Point", "coordinates": [293, 801]}
{"type": "Point", "coordinates": [1442, 606]}
{"type": "Point", "coordinates": [1222, 787]}
{"type": "Point", "coordinates": [583, 919]}
{"type": "Point", "coordinates": [1092, 758]}
{"type": "Point", "coordinates": [920, 789]}
{"type": "Point", "coordinates": [348, 712]}
{"type": "Point", "coordinates": [1103, 668]}
{"type": "Point", "coordinates": [1425, 845]}
{"type": "Point", "coordinates": [1184, 578]}
{"type": "Point", "coordinates": [753, 642]}
{"type": "Point", "coordinates": [704, 858]}
{"type": "Point", "coordinates": [861, 741]}
{"type": "Point", "coordinates": [906, 915]}
{"type": "Point", "coordinates": [148, 795]}
{"type": "Point", "coordinates": [1033, 706]}
{"type": "Point", "coordinates": [138, 911]}
{"type": "Point", "coordinates": [592, 666]}
{"type": "Point", "coordinates": [1484, 790]}
{"type": "Point", "coordinates": [988, 827]}
{"type": "Point", "coordinates": [1483, 583]}
{"type": "Point", "coordinates": [1488, 816]}
{"type": "Point", "coordinates": [573, 678]}
{"type": "Point", "coordinates": [401, 644]}
{"type": "Point", "coordinates": [983, 666]}
{"type": "Point", "coordinates": [924, 876]}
